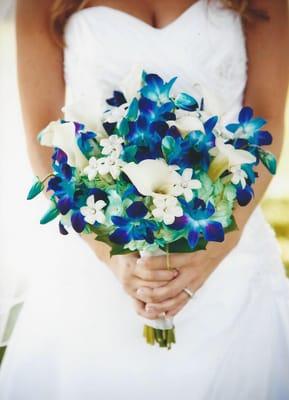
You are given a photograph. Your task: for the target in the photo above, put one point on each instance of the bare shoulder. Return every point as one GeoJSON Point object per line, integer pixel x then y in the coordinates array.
{"type": "Point", "coordinates": [40, 65]}
{"type": "Point", "coordinates": [32, 14]}
{"type": "Point", "coordinates": [268, 58]}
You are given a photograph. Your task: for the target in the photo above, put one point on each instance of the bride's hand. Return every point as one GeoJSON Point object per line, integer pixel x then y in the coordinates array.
{"type": "Point", "coordinates": [134, 275]}
{"type": "Point", "coordinates": [194, 269]}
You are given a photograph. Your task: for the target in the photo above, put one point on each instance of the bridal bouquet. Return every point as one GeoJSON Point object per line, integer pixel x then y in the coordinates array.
{"type": "Point", "coordinates": [157, 174]}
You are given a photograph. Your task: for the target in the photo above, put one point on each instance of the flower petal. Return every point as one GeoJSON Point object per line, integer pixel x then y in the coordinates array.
{"type": "Point", "coordinates": [193, 238]}
{"type": "Point", "coordinates": [62, 229]}
{"type": "Point", "coordinates": [137, 210]}
{"type": "Point", "coordinates": [120, 236]}
{"type": "Point", "coordinates": [213, 231]}
{"type": "Point", "coordinates": [244, 196]}
{"type": "Point", "coordinates": [78, 222]}
{"type": "Point", "coordinates": [245, 115]}
{"type": "Point", "coordinates": [64, 205]}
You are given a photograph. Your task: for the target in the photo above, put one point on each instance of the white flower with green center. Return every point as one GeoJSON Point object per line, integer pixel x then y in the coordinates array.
{"type": "Point", "coordinates": [115, 114]}
{"type": "Point", "coordinates": [109, 165]}
{"type": "Point", "coordinates": [92, 212]}
{"type": "Point", "coordinates": [238, 176]}
{"type": "Point", "coordinates": [226, 156]}
{"type": "Point", "coordinates": [103, 166]}
{"type": "Point", "coordinates": [152, 177]}
{"type": "Point", "coordinates": [185, 184]}
{"type": "Point", "coordinates": [91, 170]}
{"type": "Point", "coordinates": [167, 209]}
{"type": "Point", "coordinates": [112, 144]}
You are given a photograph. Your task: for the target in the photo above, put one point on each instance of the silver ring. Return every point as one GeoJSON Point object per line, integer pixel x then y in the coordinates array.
{"type": "Point", "coordinates": [189, 292]}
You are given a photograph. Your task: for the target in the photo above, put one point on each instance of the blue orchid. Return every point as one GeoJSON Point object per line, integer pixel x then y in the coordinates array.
{"type": "Point", "coordinates": [186, 102]}
{"type": "Point", "coordinates": [85, 140]}
{"type": "Point", "coordinates": [152, 111]}
{"type": "Point", "coordinates": [134, 226]}
{"type": "Point", "coordinates": [249, 128]}
{"type": "Point", "coordinates": [191, 151]}
{"type": "Point", "coordinates": [117, 99]}
{"type": "Point", "coordinates": [197, 222]}
{"type": "Point", "coordinates": [244, 195]}
{"type": "Point", "coordinates": [156, 89]}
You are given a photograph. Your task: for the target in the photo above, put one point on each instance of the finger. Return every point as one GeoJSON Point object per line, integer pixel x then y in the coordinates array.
{"type": "Point", "coordinates": [140, 309]}
{"type": "Point", "coordinates": [137, 283]}
{"type": "Point", "coordinates": [175, 311]}
{"type": "Point", "coordinates": [156, 295]}
{"type": "Point", "coordinates": [167, 305]}
{"type": "Point", "coordinates": [154, 275]}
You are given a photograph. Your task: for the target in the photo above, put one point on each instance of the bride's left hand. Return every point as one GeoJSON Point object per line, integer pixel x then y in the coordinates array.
{"type": "Point", "coordinates": [194, 269]}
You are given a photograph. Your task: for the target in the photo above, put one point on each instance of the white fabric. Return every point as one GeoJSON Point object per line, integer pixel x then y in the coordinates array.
{"type": "Point", "coordinates": [78, 336]}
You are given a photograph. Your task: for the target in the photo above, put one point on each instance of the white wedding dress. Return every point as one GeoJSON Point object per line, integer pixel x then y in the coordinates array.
{"type": "Point", "coordinates": [78, 336]}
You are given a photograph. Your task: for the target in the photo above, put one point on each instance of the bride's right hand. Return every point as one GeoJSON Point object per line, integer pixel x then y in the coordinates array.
{"type": "Point", "coordinates": [133, 275]}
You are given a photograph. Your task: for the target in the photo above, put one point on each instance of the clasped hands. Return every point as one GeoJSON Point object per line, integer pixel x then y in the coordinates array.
{"type": "Point", "coordinates": [155, 289]}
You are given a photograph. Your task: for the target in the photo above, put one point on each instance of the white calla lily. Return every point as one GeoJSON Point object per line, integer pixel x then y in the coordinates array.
{"type": "Point", "coordinates": [226, 156]}
{"type": "Point", "coordinates": [88, 112]}
{"type": "Point", "coordinates": [62, 136]}
{"type": "Point", "coordinates": [187, 122]}
{"type": "Point", "coordinates": [151, 177]}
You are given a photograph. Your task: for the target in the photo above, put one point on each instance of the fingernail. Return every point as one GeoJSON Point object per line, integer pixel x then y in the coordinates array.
{"type": "Point", "coordinates": [150, 309]}
{"type": "Point", "coordinates": [140, 291]}
{"type": "Point", "coordinates": [176, 273]}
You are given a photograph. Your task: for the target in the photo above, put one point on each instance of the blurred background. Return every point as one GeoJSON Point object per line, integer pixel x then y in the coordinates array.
{"type": "Point", "coordinates": [16, 215]}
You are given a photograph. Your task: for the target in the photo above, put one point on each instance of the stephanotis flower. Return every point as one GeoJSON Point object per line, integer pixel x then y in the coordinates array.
{"type": "Point", "coordinates": [226, 156]}
{"type": "Point", "coordinates": [151, 177]}
{"type": "Point", "coordinates": [112, 145]}
{"type": "Point", "coordinates": [92, 212]}
{"type": "Point", "coordinates": [196, 222]}
{"type": "Point", "coordinates": [185, 184]}
{"type": "Point", "coordinates": [167, 209]}
{"type": "Point", "coordinates": [238, 176]}
{"type": "Point", "coordinates": [133, 226]}
{"type": "Point", "coordinates": [103, 166]}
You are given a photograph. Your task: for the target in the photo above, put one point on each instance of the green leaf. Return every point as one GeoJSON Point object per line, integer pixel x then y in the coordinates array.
{"type": "Point", "coordinates": [168, 145]}
{"type": "Point", "coordinates": [269, 161]}
{"type": "Point", "coordinates": [36, 189]}
{"type": "Point", "coordinates": [132, 110]}
{"type": "Point", "coordinates": [129, 153]}
{"type": "Point", "coordinates": [232, 227]}
{"type": "Point", "coordinates": [115, 248]}
{"type": "Point", "coordinates": [182, 246]}
{"type": "Point", "coordinates": [51, 214]}
{"type": "Point", "coordinates": [119, 250]}
{"type": "Point", "coordinates": [123, 127]}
